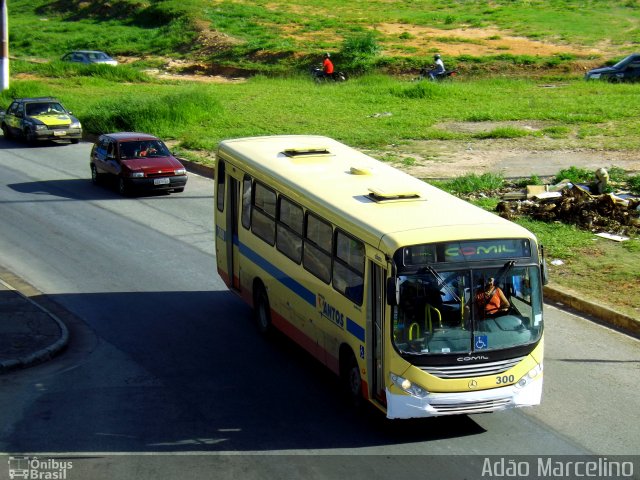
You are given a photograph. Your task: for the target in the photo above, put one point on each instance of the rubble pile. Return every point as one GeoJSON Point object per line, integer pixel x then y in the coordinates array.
{"type": "Point", "coordinates": [613, 213]}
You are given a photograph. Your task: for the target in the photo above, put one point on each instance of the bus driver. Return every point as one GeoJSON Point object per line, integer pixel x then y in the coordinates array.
{"type": "Point", "coordinates": [491, 299]}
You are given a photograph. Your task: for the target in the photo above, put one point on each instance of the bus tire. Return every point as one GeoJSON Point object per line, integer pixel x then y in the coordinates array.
{"type": "Point", "coordinates": [262, 311]}
{"type": "Point", "coordinates": [351, 379]}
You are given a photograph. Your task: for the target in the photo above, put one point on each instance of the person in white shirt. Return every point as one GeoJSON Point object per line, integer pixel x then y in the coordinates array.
{"type": "Point", "coordinates": [436, 69]}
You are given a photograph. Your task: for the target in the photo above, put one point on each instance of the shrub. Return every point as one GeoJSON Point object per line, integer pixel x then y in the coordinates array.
{"type": "Point", "coordinates": [634, 184]}
{"type": "Point", "coordinates": [473, 183]}
{"type": "Point", "coordinates": [418, 90]}
{"type": "Point", "coordinates": [532, 180]}
{"type": "Point", "coordinates": [358, 52]}
{"type": "Point", "coordinates": [575, 175]}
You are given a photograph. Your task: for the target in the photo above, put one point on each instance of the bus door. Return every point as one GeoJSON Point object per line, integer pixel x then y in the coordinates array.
{"type": "Point", "coordinates": [233, 244]}
{"type": "Point", "coordinates": [227, 192]}
{"type": "Point", "coordinates": [375, 321]}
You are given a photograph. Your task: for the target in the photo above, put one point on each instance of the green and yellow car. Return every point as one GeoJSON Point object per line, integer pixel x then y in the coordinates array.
{"type": "Point", "coordinates": [40, 118]}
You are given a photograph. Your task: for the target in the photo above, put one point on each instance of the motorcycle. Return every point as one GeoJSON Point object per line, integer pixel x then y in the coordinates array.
{"type": "Point", "coordinates": [319, 76]}
{"type": "Point", "coordinates": [438, 77]}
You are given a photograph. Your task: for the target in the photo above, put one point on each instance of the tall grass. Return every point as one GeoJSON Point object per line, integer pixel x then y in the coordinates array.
{"type": "Point", "coordinates": [370, 111]}
{"type": "Point", "coordinates": [67, 70]}
{"type": "Point", "coordinates": [168, 116]}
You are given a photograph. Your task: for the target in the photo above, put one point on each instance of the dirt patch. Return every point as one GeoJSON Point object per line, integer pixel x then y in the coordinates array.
{"type": "Point", "coordinates": [472, 41]}
{"type": "Point", "coordinates": [512, 158]}
{"type": "Point", "coordinates": [522, 157]}
{"type": "Point", "coordinates": [197, 77]}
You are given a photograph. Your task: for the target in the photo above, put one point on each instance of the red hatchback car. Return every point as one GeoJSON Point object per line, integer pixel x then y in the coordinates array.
{"type": "Point", "coordinates": [138, 161]}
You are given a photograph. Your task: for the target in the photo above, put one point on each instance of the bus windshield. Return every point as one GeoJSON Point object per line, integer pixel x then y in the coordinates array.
{"type": "Point", "coordinates": [468, 310]}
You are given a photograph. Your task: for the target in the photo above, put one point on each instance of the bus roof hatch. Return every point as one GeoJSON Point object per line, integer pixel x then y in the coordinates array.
{"type": "Point", "coordinates": [306, 152]}
{"type": "Point", "coordinates": [380, 194]}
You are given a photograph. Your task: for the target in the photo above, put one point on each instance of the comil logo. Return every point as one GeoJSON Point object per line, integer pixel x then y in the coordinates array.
{"type": "Point", "coordinates": [38, 469]}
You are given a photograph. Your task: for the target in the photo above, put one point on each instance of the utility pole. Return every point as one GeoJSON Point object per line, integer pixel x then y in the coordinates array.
{"type": "Point", "coordinates": [4, 60]}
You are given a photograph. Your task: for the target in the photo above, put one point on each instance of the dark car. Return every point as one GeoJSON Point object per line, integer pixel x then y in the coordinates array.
{"type": "Point", "coordinates": [138, 161]}
{"type": "Point", "coordinates": [40, 118]}
{"type": "Point", "coordinates": [88, 57]}
{"type": "Point", "coordinates": [626, 70]}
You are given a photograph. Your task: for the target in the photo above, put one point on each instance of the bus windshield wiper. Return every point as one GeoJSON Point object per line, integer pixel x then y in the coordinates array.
{"type": "Point", "coordinates": [441, 281]}
{"type": "Point", "coordinates": [500, 274]}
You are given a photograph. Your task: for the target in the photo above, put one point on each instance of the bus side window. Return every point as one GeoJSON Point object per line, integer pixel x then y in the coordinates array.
{"type": "Point", "coordinates": [220, 182]}
{"type": "Point", "coordinates": [263, 217]}
{"type": "Point", "coordinates": [289, 229]}
{"type": "Point", "coordinates": [348, 267]}
{"type": "Point", "coordinates": [317, 247]}
{"type": "Point", "coordinates": [246, 202]}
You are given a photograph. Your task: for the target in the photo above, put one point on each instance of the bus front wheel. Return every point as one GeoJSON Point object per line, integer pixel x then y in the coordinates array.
{"type": "Point", "coordinates": [262, 311]}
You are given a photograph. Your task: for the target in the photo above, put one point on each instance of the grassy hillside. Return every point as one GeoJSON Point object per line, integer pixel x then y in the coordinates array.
{"type": "Point", "coordinates": [281, 35]}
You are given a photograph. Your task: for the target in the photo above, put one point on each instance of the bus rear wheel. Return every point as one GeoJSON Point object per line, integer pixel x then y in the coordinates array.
{"type": "Point", "coordinates": [262, 311]}
{"type": "Point", "coordinates": [351, 380]}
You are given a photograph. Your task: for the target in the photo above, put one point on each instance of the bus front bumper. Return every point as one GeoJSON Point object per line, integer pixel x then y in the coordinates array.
{"type": "Point", "coordinates": [465, 403]}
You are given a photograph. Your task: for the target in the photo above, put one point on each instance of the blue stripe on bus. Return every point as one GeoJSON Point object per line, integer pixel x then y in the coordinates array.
{"type": "Point", "coordinates": [279, 275]}
{"type": "Point", "coordinates": [354, 329]}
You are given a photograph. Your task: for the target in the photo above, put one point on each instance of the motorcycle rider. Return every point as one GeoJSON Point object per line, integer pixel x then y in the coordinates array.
{"type": "Point", "coordinates": [437, 67]}
{"type": "Point", "coordinates": [327, 66]}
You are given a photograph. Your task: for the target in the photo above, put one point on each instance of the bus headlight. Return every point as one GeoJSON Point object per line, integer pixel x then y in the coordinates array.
{"type": "Point", "coordinates": [528, 378]}
{"type": "Point", "coordinates": [406, 385]}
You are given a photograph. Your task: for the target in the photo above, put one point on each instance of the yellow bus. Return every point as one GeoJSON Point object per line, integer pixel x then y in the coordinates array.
{"type": "Point", "coordinates": [424, 304]}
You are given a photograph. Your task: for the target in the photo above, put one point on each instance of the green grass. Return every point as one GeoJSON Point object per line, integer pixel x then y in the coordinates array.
{"type": "Point", "coordinates": [472, 183]}
{"type": "Point", "coordinates": [45, 29]}
{"type": "Point", "coordinates": [561, 241]}
{"type": "Point", "coordinates": [350, 112]}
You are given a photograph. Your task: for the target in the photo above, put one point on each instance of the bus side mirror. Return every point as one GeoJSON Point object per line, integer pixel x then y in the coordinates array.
{"type": "Point", "coordinates": [544, 271]}
{"type": "Point", "coordinates": [393, 291]}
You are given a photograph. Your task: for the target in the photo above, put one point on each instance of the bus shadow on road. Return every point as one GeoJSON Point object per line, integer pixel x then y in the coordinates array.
{"type": "Point", "coordinates": [188, 371]}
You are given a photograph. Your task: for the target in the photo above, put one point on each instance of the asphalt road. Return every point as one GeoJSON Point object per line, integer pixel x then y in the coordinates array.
{"type": "Point", "coordinates": [165, 370]}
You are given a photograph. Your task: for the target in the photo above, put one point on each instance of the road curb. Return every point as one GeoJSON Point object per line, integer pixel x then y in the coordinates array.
{"type": "Point", "coordinates": [43, 354]}
{"type": "Point", "coordinates": [198, 168]}
{"type": "Point", "coordinates": [606, 315]}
